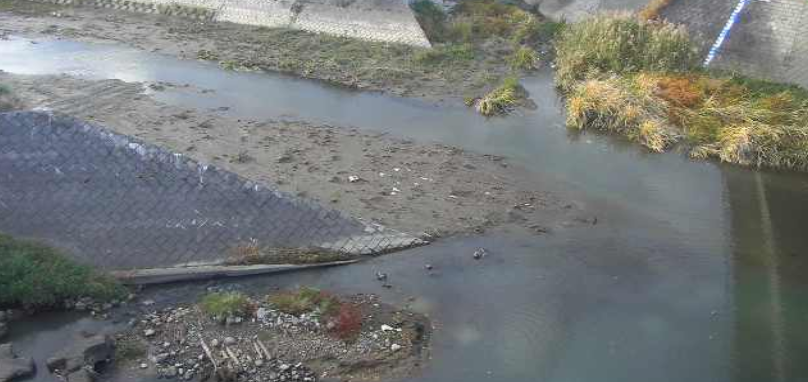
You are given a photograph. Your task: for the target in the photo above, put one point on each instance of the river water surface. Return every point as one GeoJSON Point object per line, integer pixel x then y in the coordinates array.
{"type": "Point", "coordinates": [695, 270]}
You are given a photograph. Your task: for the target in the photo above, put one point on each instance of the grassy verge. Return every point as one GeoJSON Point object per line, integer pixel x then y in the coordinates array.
{"type": "Point", "coordinates": [35, 276]}
{"type": "Point", "coordinates": [640, 79]}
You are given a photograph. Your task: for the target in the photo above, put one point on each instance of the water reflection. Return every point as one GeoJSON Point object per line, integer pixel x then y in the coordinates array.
{"type": "Point", "coordinates": [770, 337]}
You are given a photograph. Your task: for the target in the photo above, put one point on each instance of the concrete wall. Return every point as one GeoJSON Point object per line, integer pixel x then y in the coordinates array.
{"type": "Point", "coordinates": [376, 20]}
{"type": "Point", "coordinates": [769, 40]}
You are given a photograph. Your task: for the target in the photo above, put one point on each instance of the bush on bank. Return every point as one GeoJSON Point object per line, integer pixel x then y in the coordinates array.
{"type": "Point", "coordinates": [640, 79]}
{"type": "Point", "coordinates": [34, 276]}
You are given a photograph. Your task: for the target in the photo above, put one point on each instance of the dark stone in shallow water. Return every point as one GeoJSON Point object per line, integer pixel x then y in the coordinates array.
{"type": "Point", "coordinates": [12, 367]}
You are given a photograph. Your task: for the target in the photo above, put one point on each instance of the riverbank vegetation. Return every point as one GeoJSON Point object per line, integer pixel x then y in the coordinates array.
{"type": "Point", "coordinates": [34, 276]}
{"type": "Point", "coordinates": [624, 74]}
{"type": "Point", "coordinates": [507, 34]}
{"type": "Point", "coordinates": [344, 318]}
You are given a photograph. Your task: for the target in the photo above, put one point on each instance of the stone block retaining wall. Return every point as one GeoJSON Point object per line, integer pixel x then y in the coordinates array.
{"type": "Point", "coordinates": [376, 20]}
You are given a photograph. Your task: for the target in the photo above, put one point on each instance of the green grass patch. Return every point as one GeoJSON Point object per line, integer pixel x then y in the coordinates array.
{"type": "Point", "coordinates": [305, 300]}
{"type": "Point", "coordinates": [39, 277]}
{"type": "Point", "coordinates": [225, 304]}
{"type": "Point", "coordinates": [344, 318]}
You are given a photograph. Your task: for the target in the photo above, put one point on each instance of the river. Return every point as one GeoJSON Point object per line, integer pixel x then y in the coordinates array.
{"type": "Point", "coordinates": [695, 270]}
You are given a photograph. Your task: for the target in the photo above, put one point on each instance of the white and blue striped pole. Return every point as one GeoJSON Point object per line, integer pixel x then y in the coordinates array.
{"type": "Point", "coordinates": [725, 32]}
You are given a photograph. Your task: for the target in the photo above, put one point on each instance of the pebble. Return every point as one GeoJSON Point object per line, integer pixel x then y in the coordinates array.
{"type": "Point", "coordinates": [395, 347]}
{"type": "Point", "coordinates": [229, 341]}
{"type": "Point", "coordinates": [480, 253]}
{"type": "Point", "coordinates": [149, 332]}
{"type": "Point", "coordinates": [214, 342]}
{"type": "Point", "coordinates": [144, 365]}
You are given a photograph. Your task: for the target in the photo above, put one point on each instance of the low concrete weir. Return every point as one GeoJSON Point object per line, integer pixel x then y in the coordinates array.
{"type": "Point", "coordinates": [118, 203]}
{"type": "Point", "coordinates": [376, 20]}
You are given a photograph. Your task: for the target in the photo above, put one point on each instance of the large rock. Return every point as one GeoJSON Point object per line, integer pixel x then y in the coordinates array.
{"type": "Point", "coordinates": [85, 352]}
{"type": "Point", "coordinates": [12, 367]}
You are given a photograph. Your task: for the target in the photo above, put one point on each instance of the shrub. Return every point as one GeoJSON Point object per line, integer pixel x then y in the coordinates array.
{"type": "Point", "coordinates": [225, 304]}
{"type": "Point", "coordinates": [347, 322]}
{"type": "Point", "coordinates": [523, 58]}
{"type": "Point", "coordinates": [38, 277]}
{"type": "Point", "coordinates": [621, 44]}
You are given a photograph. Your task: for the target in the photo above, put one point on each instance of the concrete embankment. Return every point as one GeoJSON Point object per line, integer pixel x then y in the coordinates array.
{"type": "Point", "coordinates": [767, 38]}
{"type": "Point", "coordinates": [377, 20]}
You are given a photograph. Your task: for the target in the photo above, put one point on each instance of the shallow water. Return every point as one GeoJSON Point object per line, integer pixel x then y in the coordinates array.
{"type": "Point", "coordinates": [695, 270]}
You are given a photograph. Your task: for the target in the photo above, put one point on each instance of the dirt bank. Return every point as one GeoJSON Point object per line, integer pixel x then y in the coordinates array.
{"type": "Point", "coordinates": [358, 64]}
{"type": "Point", "coordinates": [402, 184]}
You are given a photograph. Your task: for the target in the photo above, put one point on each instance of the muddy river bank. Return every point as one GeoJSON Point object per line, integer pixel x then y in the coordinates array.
{"type": "Point", "coordinates": [693, 271]}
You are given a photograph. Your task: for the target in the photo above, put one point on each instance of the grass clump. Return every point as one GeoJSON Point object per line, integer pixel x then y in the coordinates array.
{"type": "Point", "coordinates": [34, 276]}
{"type": "Point", "coordinates": [733, 119]}
{"type": "Point", "coordinates": [502, 99]}
{"type": "Point", "coordinates": [523, 58]}
{"type": "Point", "coordinates": [640, 79]}
{"type": "Point", "coordinates": [344, 319]}
{"type": "Point", "coordinates": [226, 304]}
{"type": "Point", "coordinates": [8, 101]}
{"type": "Point", "coordinates": [621, 44]}
{"type": "Point", "coordinates": [251, 253]}
{"type": "Point", "coordinates": [305, 300]}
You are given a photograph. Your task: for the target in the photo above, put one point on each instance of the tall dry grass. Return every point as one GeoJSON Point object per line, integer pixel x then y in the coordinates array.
{"type": "Point", "coordinates": [715, 117]}
{"type": "Point", "coordinates": [621, 43]}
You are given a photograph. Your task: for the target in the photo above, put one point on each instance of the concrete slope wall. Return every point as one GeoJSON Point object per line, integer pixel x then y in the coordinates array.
{"type": "Point", "coordinates": [118, 203]}
{"type": "Point", "coordinates": [377, 20]}
{"type": "Point", "coordinates": [769, 39]}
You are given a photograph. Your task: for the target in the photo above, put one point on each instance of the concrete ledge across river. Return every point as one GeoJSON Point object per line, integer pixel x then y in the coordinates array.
{"type": "Point", "coordinates": [118, 203]}
{"type": "Point", "coordinates": [377, 20]}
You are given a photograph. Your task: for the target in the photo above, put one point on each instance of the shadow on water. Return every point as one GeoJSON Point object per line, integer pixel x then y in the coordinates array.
{"type": "Point", "coordinates": [695, 271]}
